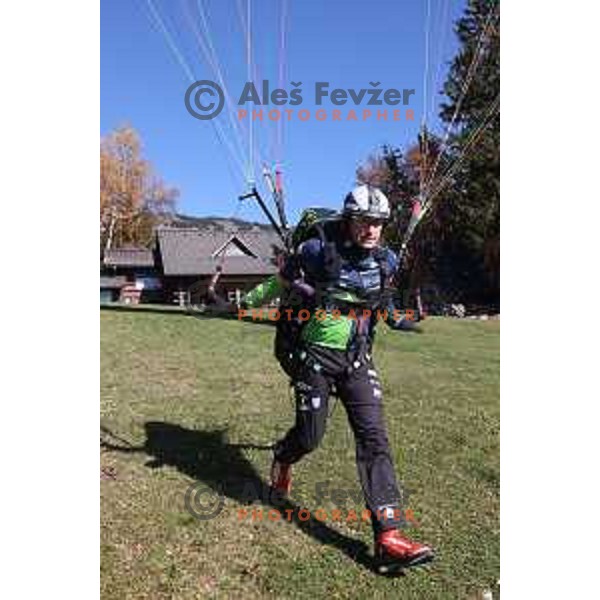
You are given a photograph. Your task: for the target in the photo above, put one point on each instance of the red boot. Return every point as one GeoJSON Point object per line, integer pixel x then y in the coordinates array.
{"type": "Point", "coordinates": [281, 477]}
{"type": "Point", "coordinates": [394, 550]}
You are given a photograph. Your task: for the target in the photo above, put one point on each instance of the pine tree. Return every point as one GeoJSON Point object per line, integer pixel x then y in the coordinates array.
{"type": "Point", "coordinates": [455, 250]}
{"type": "Point", "coordinates": [472, 89]}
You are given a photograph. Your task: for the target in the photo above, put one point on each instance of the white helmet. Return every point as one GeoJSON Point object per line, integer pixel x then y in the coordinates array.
{"type": "Point", "coordinates": [367, 201]}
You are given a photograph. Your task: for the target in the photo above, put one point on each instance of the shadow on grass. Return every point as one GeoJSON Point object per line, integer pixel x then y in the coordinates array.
{"type": "Point", "coordinates": [179, 311]}
{"type": "Point", "coordinates": [161, 309]}
{"type": "Point", "coordinates": [208, 457]}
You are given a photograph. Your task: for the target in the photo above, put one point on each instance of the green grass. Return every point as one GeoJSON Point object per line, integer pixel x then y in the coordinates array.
{"type": "Point", "coordinates": [215, 398]}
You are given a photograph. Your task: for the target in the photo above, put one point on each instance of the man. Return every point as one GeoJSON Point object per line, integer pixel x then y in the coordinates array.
{"type": "Point", "coordinates": [341, 275]}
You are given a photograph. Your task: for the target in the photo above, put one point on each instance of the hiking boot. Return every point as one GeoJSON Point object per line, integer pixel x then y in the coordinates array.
{"type": "Point", "coordinates": [281, 477]}
{"type": "Point", "coordinates": [394, 550]}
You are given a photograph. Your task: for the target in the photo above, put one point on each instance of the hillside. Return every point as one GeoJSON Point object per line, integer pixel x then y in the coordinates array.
{"type": "Point", "coordinates": [220, 223]}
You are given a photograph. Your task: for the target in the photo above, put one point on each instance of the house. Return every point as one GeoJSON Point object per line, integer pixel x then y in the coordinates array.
{"type": "Point", "coordinates": [129, 275]}
{"type": "Point", "coordinates": [190, 256]}
{"type": "Point", "coordinates": [110, 288]}
{"type": "Point", "coordinates": [183, 260]}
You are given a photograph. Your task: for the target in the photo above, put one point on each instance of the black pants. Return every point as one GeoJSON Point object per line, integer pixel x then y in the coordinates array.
{"type": "Point", "coordinates": [359, 389]}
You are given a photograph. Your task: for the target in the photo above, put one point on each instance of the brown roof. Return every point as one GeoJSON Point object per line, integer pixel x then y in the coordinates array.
{"type": "Point", "coordinates": [191, 251]}
{"type": "Point", "coordinates": [112, 282]}
{"type": "Point", "coordinates": [129, 257]}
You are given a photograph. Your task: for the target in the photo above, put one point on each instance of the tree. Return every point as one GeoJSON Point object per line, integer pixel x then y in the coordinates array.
{"type": "Point", "coordinates": [398, 175]}
{"type": "Point", "coordinates": [475, 188]}
{"type": "Point", "coordinates": [456, 246]}
{"type": "Point", "coordinates": [132, 199]}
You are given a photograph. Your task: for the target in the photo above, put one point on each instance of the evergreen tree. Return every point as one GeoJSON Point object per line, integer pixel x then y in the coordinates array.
{"type": "Point", "coordinates": [472, 90]}
{"type": "Point", "coordinates": [455, 250]}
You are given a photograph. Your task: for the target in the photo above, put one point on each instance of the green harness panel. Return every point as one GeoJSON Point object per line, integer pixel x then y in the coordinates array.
{"type": "Point", "coordinates": [331, 332]}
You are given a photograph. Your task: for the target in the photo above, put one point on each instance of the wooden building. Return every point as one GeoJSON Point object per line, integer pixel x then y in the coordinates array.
{"type": "Point", "coordinates": [129, 275]}
{"type": "Point", "coordinates": [183, 261]}
{"type": "Point", "coordinates": [189, 257]}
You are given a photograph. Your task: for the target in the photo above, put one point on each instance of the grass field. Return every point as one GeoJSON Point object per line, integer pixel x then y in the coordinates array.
{"type": "Point", "coordinates": [186, 401]}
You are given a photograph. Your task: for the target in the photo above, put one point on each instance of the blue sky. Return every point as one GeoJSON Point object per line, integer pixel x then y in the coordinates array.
{"type": "Point", "coordinates": [347, 43]}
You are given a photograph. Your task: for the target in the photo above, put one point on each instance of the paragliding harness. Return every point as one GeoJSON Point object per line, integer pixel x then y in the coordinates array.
{"type": "Point", "coordinates": [324, 224]}
{"type": "Point", "coordinates": [287, 337]}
